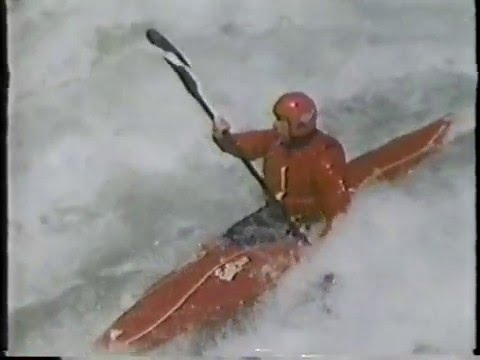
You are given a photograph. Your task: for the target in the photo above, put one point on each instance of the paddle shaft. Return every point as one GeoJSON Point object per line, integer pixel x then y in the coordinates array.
{"type": "Point", "coordinates": [181, 66]}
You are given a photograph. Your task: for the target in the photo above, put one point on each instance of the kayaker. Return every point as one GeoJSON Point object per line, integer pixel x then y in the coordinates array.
{"type": "Point", "coordinates": [303, 167]}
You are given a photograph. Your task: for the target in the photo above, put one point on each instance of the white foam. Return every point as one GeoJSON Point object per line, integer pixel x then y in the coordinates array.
{"type": "Point", "coordinates": [463, 123]}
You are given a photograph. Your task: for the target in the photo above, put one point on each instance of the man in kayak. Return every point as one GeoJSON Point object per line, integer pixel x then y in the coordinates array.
{"type": "Point", "coordinates": [303, 167]}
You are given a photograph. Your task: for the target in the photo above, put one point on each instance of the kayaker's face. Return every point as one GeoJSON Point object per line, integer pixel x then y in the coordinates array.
{"type": "Point", "coordinates": [282, 128]}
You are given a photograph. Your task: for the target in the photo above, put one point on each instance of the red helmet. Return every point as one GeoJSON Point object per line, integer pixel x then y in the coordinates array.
{"type": "Point", "coordinates": [299, 110]}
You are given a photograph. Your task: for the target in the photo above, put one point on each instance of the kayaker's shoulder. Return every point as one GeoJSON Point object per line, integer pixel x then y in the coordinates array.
{"type": "Point", "coordinates": [322, 141]}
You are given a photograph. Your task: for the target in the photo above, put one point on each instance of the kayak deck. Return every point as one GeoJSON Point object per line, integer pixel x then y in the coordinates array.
{"type": "Point", "coordinates": [206, 291]}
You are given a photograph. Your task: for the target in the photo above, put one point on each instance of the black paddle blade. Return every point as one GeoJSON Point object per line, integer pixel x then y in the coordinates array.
{"type": "Point", "coordinates": [163, 43]}
{"type": "Point", "coordinates": [191, 86]}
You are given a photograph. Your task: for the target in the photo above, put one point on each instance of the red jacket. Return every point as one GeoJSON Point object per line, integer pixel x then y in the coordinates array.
{"type": "Point", "coordinates": [308, 176]}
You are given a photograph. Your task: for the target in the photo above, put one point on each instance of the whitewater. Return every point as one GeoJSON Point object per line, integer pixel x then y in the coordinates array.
{"type": "Point", "coordinates": [114, 180]}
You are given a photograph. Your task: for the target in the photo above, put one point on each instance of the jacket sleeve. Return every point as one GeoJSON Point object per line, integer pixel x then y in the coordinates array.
{"type": "Point", "coordinates": [332, 197]}
{"type": "Point", "coordinates": [249, 145]}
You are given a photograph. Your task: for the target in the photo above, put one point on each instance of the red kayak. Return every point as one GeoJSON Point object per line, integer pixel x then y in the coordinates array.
{"type": "Point", "coordinates": [227, 277]}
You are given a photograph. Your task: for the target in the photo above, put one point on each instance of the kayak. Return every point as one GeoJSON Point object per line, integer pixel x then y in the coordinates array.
{"type": "Point", "coordinates": [227, 277]}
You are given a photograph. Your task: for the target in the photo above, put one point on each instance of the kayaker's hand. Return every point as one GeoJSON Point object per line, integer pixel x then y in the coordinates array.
{"type": "Point", "coordinates": [220, 128]}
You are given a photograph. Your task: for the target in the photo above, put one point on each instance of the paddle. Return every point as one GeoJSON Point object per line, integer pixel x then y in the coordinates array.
{"type": "Point", "coordinates": [181, 66]}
